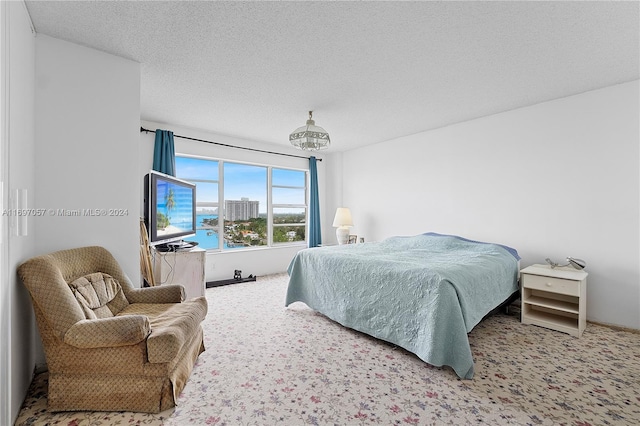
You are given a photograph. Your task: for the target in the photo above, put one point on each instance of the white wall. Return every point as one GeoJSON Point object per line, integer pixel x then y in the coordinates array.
{"type": "Point", "coordinates": [87, 121]}
{"type": "Point", "coordinates": [87, 136]}
{"type": "Point", "coordinates": [18, 118]}
{"type": "Point", "coordinates": [333, 196]}
{"type": "Point", "coordinates": [256, 261]}
{"type": "Point", "coordinates": [555, 179]}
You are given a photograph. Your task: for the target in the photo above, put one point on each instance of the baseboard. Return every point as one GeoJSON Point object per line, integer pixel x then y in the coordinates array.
{"type": "Point", "coordinates": [230, 281]}
{"type": "Point", "coordinates": [616, 327]}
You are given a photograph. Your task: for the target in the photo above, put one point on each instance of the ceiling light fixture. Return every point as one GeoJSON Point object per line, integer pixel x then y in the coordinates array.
{"type": "Point", "coordinates": [310, 137]}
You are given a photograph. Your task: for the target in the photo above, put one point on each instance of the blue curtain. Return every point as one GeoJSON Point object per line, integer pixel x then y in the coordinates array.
{"type": "Point", "coordinates": [315, 235]}
{"type": "Point", "coordinates": [164, 154]}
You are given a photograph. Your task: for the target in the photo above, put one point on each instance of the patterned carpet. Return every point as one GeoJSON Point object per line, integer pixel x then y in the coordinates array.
{"type": "Point", "coordinates": [267, 365]}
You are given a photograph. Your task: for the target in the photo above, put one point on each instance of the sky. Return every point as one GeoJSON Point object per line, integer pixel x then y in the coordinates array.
{"type": "Point", "coordinates": [241, 181]}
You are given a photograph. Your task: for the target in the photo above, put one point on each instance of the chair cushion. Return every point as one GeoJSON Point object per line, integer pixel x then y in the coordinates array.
{"type": "Point", "coordinates": [99, 295]}
{"type": "Point", "coordinates": [172, 325]}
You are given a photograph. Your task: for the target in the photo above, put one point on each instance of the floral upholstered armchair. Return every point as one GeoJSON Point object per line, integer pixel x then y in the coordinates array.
{"type": "Point", "coordinates": [110, 346]}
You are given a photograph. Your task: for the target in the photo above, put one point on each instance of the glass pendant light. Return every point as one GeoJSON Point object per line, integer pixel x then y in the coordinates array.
{"type": "Point", "coordinates": [310, 137]}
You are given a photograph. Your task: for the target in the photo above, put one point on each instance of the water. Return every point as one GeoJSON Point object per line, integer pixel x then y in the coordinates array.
{"type": "Point", "coordinates": [207, 238]}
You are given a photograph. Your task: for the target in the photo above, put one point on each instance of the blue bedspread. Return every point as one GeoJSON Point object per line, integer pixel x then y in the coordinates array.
{"type": "Point", "coordinates": [423, 293]}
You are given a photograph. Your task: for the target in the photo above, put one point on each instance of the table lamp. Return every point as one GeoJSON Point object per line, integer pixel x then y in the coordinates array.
{"type": "Point", "coordinates": [342, 221]}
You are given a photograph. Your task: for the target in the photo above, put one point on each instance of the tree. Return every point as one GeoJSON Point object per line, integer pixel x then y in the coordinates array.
{"type": "Point", "coordinates": [161, 221]}
{"type": "Point", "coordinates": [170, 201]}
{"type": "Point", "coordinates": [169, 204]}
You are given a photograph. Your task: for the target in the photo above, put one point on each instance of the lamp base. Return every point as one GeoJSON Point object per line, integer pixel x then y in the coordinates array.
{"type": "Point", "coordinates": [342, 234]}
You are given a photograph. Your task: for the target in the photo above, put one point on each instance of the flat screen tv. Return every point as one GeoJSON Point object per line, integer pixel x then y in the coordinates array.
{"type": "Point", "coordinates": [169, 208]}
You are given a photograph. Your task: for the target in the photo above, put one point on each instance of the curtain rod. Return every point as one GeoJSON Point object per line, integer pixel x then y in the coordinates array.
{"type": "Point", "coordinates": [142, 129]}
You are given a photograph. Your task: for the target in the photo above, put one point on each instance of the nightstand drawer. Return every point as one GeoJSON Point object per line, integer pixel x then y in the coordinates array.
{"type": "Point", "coordinates": [554, 285]}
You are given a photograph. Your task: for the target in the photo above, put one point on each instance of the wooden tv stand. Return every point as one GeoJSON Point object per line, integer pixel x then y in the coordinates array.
{"type": "Point", "coordinates": [183, 267]}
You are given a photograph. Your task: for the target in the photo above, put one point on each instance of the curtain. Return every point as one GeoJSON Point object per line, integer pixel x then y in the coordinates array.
{"type": "Point", "coordinates": [164, 155]}
{"type": "Point", "coordinates": [315, 235]}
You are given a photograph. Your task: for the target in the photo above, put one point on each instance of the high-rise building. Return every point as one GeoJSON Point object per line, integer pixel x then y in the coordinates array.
{"type": "Point", "coordinates": [242, 209]}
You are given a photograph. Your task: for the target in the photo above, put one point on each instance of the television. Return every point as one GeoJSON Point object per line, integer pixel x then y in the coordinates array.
{"type": "Point", "coordinates": [169, 209]}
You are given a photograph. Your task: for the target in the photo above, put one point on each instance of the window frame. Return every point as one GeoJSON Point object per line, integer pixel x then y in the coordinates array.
{"type": "Point", "coordinates": [304, 206]}
{"type": "Point", "coordinates": [269, 196]}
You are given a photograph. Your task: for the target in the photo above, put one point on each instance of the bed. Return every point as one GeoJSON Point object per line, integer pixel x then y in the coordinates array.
{"type": "Point", "coordinates": [423, 293]}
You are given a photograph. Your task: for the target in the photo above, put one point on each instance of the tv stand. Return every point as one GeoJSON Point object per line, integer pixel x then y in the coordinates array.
{"type": "Point", "coordinates": [185, 267]}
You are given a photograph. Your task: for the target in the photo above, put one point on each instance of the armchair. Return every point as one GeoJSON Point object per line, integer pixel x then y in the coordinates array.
{"type": "Point", "coordinates": [110, 346]}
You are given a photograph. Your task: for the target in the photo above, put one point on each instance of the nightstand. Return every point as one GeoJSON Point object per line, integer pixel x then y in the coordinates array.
{"type": "Point", "coordinates": [554, 298]}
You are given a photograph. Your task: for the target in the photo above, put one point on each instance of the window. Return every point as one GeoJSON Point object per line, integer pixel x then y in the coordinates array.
{"type": "Point", "coordinates": [204, 173]}
{"type": "Point", "coordinates": [289, 208]}
{"type": "Point", "coordinates": [260, 206]}
{"type": "Point", "coordinates": [245, 205]}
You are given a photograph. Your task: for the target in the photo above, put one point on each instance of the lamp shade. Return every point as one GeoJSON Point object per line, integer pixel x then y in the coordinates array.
{"type": "Point", "coordinates": [342, 217]}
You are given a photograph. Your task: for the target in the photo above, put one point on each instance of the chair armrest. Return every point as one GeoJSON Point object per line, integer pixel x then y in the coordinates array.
{"type": "Point", "coordinates": [108, 332]}
{"type": "Point", "coordinates": [157, 294]}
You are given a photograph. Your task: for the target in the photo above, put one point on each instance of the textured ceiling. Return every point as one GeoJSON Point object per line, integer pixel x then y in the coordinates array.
{"type": "Point", "coordinates": [370, 71]}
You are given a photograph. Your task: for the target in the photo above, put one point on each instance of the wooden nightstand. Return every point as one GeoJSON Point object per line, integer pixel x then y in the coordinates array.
{"type": "Point", "coordinates": [554, 298]}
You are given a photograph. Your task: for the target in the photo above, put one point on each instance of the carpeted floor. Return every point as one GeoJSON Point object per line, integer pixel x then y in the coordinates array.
{"type": "Point", "coordinates": [270, 365]}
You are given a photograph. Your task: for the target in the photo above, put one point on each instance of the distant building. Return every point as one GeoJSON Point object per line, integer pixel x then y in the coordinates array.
{"type": "Point", "coordinates": [251, 235]}
{"type": "Point", "coordinates": [242, 209]}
